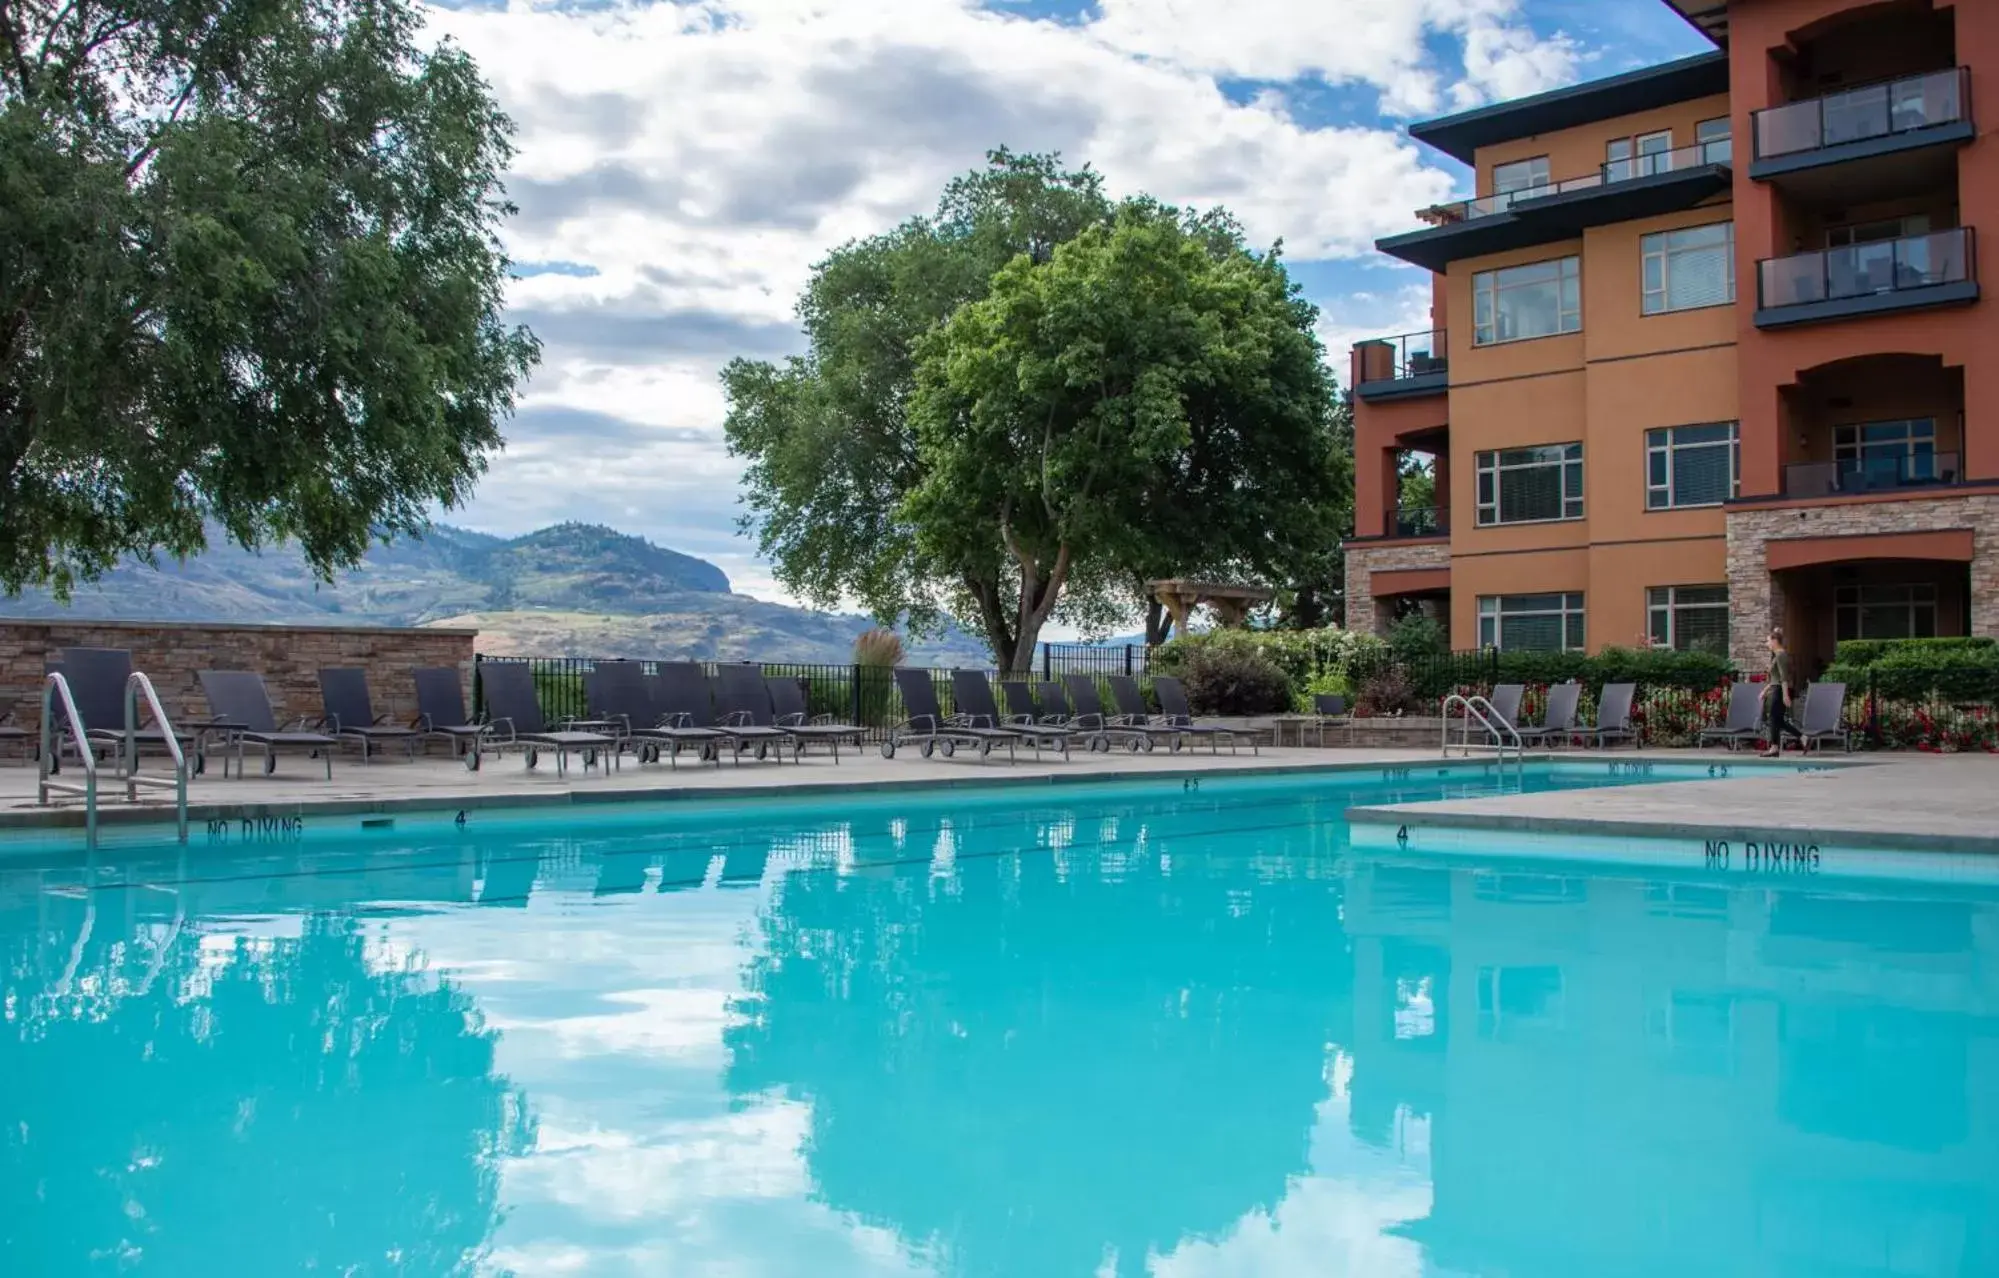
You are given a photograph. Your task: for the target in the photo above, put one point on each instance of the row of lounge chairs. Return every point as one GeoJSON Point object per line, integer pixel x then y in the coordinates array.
{"type": "Point", "coordinates": [1821, 720]}
{"type": "Point", "coordinates": [1048, 716]}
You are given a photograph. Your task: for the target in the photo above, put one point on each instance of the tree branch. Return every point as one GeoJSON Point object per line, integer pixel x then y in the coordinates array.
{"type": "Point", "coordinates": [153, 140]}
{"type": "Point", "coordinates": [10, 35]}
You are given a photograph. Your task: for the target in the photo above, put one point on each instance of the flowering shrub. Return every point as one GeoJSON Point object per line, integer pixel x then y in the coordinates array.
{"type": "Point", "coordinates": [1940, 729]}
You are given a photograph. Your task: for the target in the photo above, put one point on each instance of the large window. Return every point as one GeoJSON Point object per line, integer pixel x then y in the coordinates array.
{"type": "Point", "coordinates": [1530, 485]}
{"type": "Point", "coordinates": [1537, 300]}
{"type": "Point", "coordinates": [1687, 269]}
{"type": "Point", "coordinates": [1884, 454]}
{"type": "Point", "coordinates": [1641, 156]}
{"type": "Point", "coordinates": [1712, 136]}
{"type": "Point", "coordinates": [1692, 466]}
{"type": "Point", "coordinates": [1886, 612]}
{"type": "Point", "coordinates": [1521, 178]}
{"type": "Point", "coordinates": [1544, 623]}
{"type": "Point", "coordinates": [1688, 618]}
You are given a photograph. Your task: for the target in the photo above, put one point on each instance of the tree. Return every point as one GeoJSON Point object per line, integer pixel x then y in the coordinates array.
{"type": "Point", "coordinates": [248, 272]}
{"type": "Point", "coordinates": [1314, 595]}
{"type": "Point", "coordinates": [831, 453]}
{"type": "Point", "coordinates": [1150, 356]}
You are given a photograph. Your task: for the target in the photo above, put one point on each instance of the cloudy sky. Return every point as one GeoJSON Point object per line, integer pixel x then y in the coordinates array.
{"type": "Point", "coordinates": [683, 163]}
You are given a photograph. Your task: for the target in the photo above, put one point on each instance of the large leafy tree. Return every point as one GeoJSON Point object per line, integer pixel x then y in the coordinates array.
{"type": "Point", "coordinates": [1150, 398]}
{"type": "Point", "coordinates": [830, 448]}
{"type": "Point", "coordinates": [248, 273]}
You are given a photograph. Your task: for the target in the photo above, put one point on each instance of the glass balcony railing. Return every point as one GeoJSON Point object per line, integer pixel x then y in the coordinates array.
{"type": "Point", "coordinates": [1870, 111]}
{"type": "Point", "coordinates": [1651, 164]}
{"type": "Point", "coordinates": [1419, 521]}
{"type": "Point", "coordinates": [1878, 473]}
{"type": "Point", "coordinates": [1864, 270]}
{"type": "Point", "coordinates": [1395, 359]}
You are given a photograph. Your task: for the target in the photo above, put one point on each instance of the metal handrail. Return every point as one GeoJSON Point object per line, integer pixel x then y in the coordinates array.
{"type": "Point", "coordinates": [137, 686]}
{"type": "Point", "coordinates": [1486, 715]}
{"type": "Point", "coordinates": [55, 691]}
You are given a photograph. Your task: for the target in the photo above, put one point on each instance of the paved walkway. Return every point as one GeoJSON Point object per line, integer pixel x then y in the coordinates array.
{"type": "Point", "coordinates": [1945, 803]}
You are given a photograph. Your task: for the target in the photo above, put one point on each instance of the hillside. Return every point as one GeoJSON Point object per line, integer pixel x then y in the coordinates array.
{"type": "Point", "coordinates": [574, 589]}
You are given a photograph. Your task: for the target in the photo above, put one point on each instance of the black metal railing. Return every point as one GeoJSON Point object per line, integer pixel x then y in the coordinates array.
{"type": "Point", "coordinates": [1611, 173]}
{"type": "Point", "coordinates": [1419, 521]}
{"type": "Point", "coordinates": [1395, 359]}
{"type": "Point", "coordinates": [1857, 115]}
{"type": "Point", "coordinates": [1864, 270]}
{"type": "Point", "coordinates": [1870, 474]}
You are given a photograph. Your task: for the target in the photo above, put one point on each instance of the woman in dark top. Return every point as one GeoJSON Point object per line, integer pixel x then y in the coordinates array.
{"type": "Point", "coordinates": [1777, 696]}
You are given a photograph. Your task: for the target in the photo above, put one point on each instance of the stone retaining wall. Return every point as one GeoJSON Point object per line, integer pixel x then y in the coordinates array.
{"type": "Point", "coordinates": [289, 657]}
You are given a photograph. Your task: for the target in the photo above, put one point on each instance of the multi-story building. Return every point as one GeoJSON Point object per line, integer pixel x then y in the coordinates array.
{"type": "Point", "coordinates": [1709, 352]}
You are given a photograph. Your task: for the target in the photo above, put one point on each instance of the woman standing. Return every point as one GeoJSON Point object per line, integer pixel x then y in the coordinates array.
{"type": "Point", "coordinates": [1777, 696]}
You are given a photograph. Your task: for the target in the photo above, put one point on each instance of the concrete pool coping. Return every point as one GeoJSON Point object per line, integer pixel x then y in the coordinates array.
{"type": "Point", "coordinates": [1887, 803]}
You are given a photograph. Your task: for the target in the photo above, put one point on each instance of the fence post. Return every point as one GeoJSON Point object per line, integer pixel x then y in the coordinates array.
{"type": "Point", "coordinates": [1873, 712]}
{"type": "Point", "coordinates": [1047, 662]}
{"type": "Point", "coordinates": [1127, 661]}
{"type": "Point", "coordinates": [854, 682]}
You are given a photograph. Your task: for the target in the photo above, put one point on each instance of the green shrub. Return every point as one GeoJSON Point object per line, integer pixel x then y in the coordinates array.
{"type": "Point", "coordinates": [1233, 679]}
{"type": "Point", "coordinates": [1418, 637]}
{"type": "Point", "coordinates": [1325, 685]}
{"type": "Point", "coordinates": [1865, 652]}
{"type": "Point", "coordinates": [1954, 674]}
{"type": "Point", "coordinates": [1386, 692]}
{"type": "Point", "coordinates": [1648, 668]}
{"type": "Point", "coordinates": [1299, 655]}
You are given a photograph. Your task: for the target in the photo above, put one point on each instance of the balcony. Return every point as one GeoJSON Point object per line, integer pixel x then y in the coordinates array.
{"type": "Point", "coordinates": [1419, 521]}
{"type": "Point", "coordinates": [1871, 474]}
{"type": "Point", "coordinates": [1867, 123]}
{"type": "Point", "coordinates": [1940, 269]}
{"type": "Point", "coordinates": [1644, 186]}
{"type": "Point", "coordinates": [1399, 367]}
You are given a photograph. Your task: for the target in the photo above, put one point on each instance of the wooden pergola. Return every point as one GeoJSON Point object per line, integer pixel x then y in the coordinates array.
{"type": "Point", "coordinates": [1230, 602]}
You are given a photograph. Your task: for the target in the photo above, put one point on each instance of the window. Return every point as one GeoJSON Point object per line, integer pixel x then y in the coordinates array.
{"type": "Point", "coordinates": [1521, 175]}
{"type": "Point", "coordinates": [1688, 618]}
{"type": "Point", "coordinates": [1521, 302]}
{"type": "Point", "coordinates": [1534, 623]}
{"type": "Point", "coordinates": [1886, 612]}
{"type": "Point", "coordinates": [1689, 268]}
{"type": "Point", "coordinates": [1885, 454]}
{"type": "Point", "coordinates": [1714, 139]}
{"type": "Point", "coordinates": [1530, 485]}
{"type": "Point", "coordinates": [1692, 466]}
{"type": "Point", "coordinates": [1641, 156]}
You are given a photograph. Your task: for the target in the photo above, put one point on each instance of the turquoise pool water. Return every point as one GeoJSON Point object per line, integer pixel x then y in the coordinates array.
{"type": "Point", "coordinates": [1062, 1031]}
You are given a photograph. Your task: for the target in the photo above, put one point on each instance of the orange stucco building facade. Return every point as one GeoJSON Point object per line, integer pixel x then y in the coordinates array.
{"type": "Point", "coordinates": [1709, 351]}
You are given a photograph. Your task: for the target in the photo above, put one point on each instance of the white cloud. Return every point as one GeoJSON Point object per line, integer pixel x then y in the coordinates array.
{"type": "Point", "coordinates": [700, 156]}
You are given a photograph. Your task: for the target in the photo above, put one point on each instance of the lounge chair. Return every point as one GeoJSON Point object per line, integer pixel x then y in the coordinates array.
{"type": "Point", "coordinates": [1745, 717]}
{"type": "Point", "coordinates": [514, 707]}
{"type": "Point", "coordinates": [743, 707]}
{"type": "Point", "coordinates": [1052, 701]}
{"type": "Point", "coordinates": [929, 730]}
{"type": "Point", "coordinates": [1505, 700]}
{"type": "Point", "coordinates": [1823, 718]}
{"type": "Point", "coordinates": [1133, 712]}
{"type": "Point", "coordinates": [619, 703]}
{"type": "Point", "coordinates": [1021, 707]}
{"type": "Point", "coordinates": [673, 704]}
{"type": "Point", "coordinates": [973, 694]}
{"type": "Point", "coordinates": [440, 714]}
{"type": "Point", "coordinates": [1613, 715]}
{"type": "Point", "coordinates": [98, 678]}
{"type": "Point", "coordinates": [1558, 719]}
{"type": "Point", "coordinates": [791, 712]}
{"type": "Point", "coordinates": [240, 706]}
{"type": "Point", "coordinates": [1177, 712]}
{"type": "Point", "coordinates": [350, 714]}
{"type": "Point", "coordinates": [1090, 719]}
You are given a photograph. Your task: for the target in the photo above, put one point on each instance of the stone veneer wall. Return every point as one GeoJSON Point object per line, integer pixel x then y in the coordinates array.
{"type": "Point", "coordinates": [1363, 561]}
{"type": "Point", "coordinates": [289, 657]}
{"type": "Point", "coordinates": [1756, 599]}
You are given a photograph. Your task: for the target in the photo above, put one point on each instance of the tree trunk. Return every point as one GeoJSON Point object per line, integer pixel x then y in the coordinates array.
{"type": "Point", "coordinates": [1158, 623]}
{"type": "Point", "coordinates": [993, 620]}
{"type": "Point", "coordinates": [1039, 592]}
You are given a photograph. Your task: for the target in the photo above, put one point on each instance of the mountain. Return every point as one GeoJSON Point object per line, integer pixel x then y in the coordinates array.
{"type": "Point", "coordinates": [572, 589]}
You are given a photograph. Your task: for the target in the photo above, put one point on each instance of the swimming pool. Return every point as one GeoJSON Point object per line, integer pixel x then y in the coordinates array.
{"type": "Point", "coordinates": [1077, 1030]}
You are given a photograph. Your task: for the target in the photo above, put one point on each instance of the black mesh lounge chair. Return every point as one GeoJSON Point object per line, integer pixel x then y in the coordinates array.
{"type": "Point", "coordinates": [742, 703]}
{"type": "Point", "coordinates": [1021, 707]}
{"type": "Point", "coordinates": [621, 698]}
{"type": "Point", "coordinates": [1053, 702]}
{"type": "Point", "coordinates": [1048, 713]}
{"type": "Point", "coordinates": [514, 708]}
{"type": "Point", "coordinates": [440, 713]}
{"type": "Point", "coordinates": [350, 714]}
{"type": "Point", "coordinates": [1745, 717]}
{"type": "Point", "coordinates": [1823, 718]}
{"type": "Point", "coordinates": [1330, 710]}
{"type": "Point", "coordinates": [97, 680]}
{"type": "Point", "coordinates": [1090, 719]}
{"type": "Point", "coordinates": [973, 694]}
{"type": "Point", "coordinates": [1132, 712]}
{"type": "Point", "coordinates": [1558, 717]}
{"type": "Point", "coordinates": [1613, 715]}
{"type": "Point", "coordinates": [1178, 712]}
{"type": "Point", "coordinates": [791, 712]}
{"type": "Point", "coordinates": [673, 715]}
{"type": "Point", "coordinates": [928, 730]}
{"type": "Point", "coordinates": [241, 710]}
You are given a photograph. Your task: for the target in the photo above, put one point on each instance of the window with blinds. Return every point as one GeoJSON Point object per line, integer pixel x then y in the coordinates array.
{"type": "Point", "coordinates": [1690, 268]}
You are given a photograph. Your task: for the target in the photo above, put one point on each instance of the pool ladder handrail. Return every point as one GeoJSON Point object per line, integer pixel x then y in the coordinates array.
{"type": "Point", "coordinates": [1481, 711]}
{"type": "Point", "coordinates": [56, 695]}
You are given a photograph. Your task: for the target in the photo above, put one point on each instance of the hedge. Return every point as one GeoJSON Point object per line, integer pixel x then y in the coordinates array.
{"type": "Point", "coordinates": [1865, 652]}
{"type": "Point", "coordinates": [1962, 673]}
{"type": "Point", "coordinates": [1648, 668]}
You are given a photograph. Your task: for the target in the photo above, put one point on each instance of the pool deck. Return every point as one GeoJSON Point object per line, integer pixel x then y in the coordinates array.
{"type": "Point", "coordinates": [1946, 803]}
